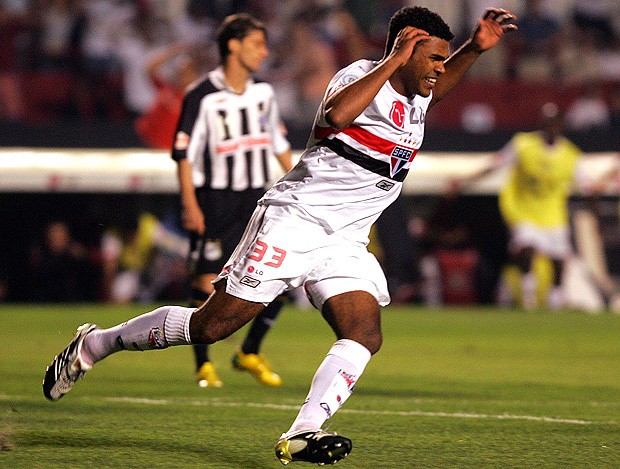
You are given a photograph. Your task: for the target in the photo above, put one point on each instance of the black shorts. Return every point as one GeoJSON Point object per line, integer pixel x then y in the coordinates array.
{"type": "Point", "coordinates": [226, 215]}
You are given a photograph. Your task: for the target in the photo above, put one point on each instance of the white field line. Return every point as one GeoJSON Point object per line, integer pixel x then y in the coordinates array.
{"type": "Point", "coordinates": [401, 413]}
{"type": "Point", "coordinates": [257, 405]}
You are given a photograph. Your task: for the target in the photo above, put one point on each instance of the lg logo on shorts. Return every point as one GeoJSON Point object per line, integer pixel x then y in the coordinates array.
{"type": "Point", "coordinates": [249, 281]}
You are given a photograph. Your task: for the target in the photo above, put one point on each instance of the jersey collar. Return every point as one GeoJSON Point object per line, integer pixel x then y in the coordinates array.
{"type": "Point", "coordinates": [218, 79]}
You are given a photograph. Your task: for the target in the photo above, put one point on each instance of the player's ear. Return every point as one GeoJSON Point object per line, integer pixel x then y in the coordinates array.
{"type": "Point", "coordinates": [234, 45]}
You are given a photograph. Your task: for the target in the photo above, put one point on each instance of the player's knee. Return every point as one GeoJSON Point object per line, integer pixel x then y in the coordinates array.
{"type": "Point", "coordinates": [373, 342]}
{"type": "Point", "coordinates": [369, 337]}
{"type": "Point", "coordinates": [202, 335]}
{"type": "Point", "coordinates": [203, 330]}
{"type": "Point", "coordinates": [221, 316]}
{"type": "Point", "coordinates": [368, 329]}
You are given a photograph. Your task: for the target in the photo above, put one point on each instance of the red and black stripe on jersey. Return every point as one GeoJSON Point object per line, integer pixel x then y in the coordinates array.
{"type": "Point", "coordinates": [400, 155]}
{"type": "Point", "coordinates": [355, 156]}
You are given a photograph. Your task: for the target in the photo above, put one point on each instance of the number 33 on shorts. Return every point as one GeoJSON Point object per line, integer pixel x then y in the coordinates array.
{"type": "Point", "coordinates": [275, 255]}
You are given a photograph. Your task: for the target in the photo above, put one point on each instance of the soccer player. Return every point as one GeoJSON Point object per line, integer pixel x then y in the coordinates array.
{"type": "Point", "coordinates": [311, 228]}
{"type": "Point", "coordinates": [534, 201]}
{"type": "Point", "coordinates": [228, 131]}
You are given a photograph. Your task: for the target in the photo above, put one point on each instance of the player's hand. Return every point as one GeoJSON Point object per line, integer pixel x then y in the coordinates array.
{"type": "Point", "coordinates": [494, 24]}
{"type": "Point", "coordinates": [193, 219]}
{"type": "Point", "coordinates": [405, 43]}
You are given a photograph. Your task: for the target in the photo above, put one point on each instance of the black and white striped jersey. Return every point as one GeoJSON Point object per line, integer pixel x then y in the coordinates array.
{"type": "Point", "coordinates": [228, 137]}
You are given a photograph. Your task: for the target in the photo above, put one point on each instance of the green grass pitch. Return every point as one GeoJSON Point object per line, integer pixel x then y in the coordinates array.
{"type": "Point", "coordinates": [461, 388]}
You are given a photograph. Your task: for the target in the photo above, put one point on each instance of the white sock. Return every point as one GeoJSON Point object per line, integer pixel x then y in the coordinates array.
{"type": "Point", "coordinates": [332, 384]}
{"type": "Point", "coordinates": [161, 328]}
{"type": "Point", "coordinates": [556, 299]}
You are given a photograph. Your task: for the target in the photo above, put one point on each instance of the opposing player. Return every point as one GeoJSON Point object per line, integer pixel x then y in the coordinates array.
{"type": "Point", "coordinates": [311, 229]}
{"type": "Point", "coordinates": [227, 134]}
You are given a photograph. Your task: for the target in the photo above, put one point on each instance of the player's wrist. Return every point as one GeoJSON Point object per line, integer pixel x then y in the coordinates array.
{"type": "Point", "coordinates": [394, 60]}
{"type": "Point", "coordinates": [472, 46]}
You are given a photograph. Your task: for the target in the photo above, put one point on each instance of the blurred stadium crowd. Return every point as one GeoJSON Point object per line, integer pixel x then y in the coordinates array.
{"type": "Point", "coordinates": [80, 73]}
{"type": "Point", "coordinates": [88, 59]}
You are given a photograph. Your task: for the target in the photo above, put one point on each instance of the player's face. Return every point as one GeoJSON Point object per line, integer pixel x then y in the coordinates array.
{"type": "Point", "coordinates": [425, 66]}
{"type": "Point", "coordinates": [253, 50]}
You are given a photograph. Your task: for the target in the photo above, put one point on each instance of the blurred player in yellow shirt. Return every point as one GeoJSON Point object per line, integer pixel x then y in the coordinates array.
{"type": "Point", "coordinates": [544, 165]}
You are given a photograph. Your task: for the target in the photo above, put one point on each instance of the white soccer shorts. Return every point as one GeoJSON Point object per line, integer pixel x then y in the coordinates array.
{"type": "Point", "coordinates": [554, 242]}
{"type": "Point", "coordinates": [283, 248]}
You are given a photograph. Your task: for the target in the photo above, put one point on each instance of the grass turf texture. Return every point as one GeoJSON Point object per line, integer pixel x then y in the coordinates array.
{"type": "Point", "coordinates": [450, 388]}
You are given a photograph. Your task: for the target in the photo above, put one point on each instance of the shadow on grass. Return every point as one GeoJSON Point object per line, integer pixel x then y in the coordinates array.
{"type": "Point", "coordinates": [111, 450]}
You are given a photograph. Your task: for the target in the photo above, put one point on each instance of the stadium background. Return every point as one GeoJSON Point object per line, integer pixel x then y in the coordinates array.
{"type": "Point", "coordinates": [76, 98]}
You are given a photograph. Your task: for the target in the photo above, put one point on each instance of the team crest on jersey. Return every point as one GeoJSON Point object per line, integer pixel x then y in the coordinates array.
{"type": "Point", "coordinates": [399, 158]}
{"type": "Point", "coordinates": [397, 113]}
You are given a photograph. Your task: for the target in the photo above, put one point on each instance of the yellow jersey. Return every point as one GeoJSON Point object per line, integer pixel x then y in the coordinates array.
{"type": "Point", "coordinates": [136, 253]}
{"type": "Point", "coordinates": [540, 180]}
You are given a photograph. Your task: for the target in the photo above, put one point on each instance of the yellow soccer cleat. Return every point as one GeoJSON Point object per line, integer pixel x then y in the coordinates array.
{"type": "Point", "coordinates": [207, 376]}
{"type": "Point", "coordinates": [258, 366]}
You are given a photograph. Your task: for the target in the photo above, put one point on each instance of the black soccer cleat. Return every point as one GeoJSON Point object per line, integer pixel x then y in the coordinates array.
{"type": "Point", "coordinates": [67, 367]}
{"type": "Point", "coordinates": [314, 446]}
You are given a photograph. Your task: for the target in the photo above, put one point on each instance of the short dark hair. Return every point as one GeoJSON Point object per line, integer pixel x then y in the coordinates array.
{"type": "Point", "coordinates": [418, 17]}
{"type": "Point", "coordinates": [236, 26]}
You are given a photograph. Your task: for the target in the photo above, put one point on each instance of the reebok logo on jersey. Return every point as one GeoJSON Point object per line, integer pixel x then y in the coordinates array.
{"type": "Point", "coordinates": [385, 185]}
{"type": "Point", "coordinates": [249, 281]}
{"type": "Point", "coordinates": [399, 158]}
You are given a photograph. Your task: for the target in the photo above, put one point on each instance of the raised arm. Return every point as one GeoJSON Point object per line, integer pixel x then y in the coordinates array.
{"type": "Point", "coordinates": [163, 56]}
{"type": "Point", "coordinates": [491, 28]}
{"type": "Point", "coordinates": [348, 102]}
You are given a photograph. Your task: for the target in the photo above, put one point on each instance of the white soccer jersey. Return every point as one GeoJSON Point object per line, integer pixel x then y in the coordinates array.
{"type": "Point", "coordinates": [356, 172]}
